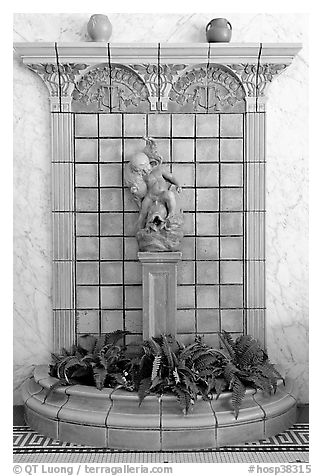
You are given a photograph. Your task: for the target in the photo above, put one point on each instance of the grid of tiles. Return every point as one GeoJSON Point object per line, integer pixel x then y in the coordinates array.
{"type": "Point", "coordinates": [206, 153]}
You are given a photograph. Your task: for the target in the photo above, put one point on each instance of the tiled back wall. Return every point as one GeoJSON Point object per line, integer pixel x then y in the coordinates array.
{"type": "Point", "coordinates": [205, 152]}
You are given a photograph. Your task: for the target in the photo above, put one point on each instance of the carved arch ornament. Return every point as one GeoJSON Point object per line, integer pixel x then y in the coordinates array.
{"type": "Point", "coordinates": [144, 87]}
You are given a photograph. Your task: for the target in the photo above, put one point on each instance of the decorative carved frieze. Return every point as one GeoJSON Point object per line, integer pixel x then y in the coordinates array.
{"type": "Point", "coordinates": [111, 88]}
{"type": "Point", "coordinates": [256, 77]}
{"type": "Point", "coordinates": [120, 88]}
{"type": "Point", "coordinates": [59, 79]}
{"type": "Point", "coordinates": [207, 88]}
{"type": "Point", "coordinates": [131, 87]}
{"type": "Point", "coordinates": [159, 80]}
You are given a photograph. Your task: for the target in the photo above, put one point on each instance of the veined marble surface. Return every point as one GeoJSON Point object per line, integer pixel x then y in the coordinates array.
{"type": "Point", "coordinates": [287, 180]}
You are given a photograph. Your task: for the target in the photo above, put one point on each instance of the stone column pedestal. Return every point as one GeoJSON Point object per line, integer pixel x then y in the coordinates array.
{"type": "Point", "coordinates": [159, 282]}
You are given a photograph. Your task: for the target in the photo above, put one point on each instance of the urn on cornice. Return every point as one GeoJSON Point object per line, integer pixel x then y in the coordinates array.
{"type": "Point", "coordinates": [99, 27]}
{"type": "Point", "coordinates": [219, 30]}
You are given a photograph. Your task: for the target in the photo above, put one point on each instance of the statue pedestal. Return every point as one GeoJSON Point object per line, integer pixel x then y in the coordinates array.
{"type": "Point", "coordinates": [159, 281]}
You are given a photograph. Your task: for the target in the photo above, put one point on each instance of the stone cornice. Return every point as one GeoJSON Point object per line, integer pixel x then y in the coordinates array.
{"type": "Point", "coordinates": [168, 53]}
{"type": "Point", "coordinates": [138, 77]}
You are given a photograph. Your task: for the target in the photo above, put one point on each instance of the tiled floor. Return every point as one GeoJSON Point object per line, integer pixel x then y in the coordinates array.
{"type": "Point", "coordinates": [288, 447]}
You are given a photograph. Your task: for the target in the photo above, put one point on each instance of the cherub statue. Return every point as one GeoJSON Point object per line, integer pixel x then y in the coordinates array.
{"type": "Point", "coordinates": [150, 185]}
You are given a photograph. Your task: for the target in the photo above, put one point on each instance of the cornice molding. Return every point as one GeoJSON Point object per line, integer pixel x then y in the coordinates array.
{"type": "Point", "coordinates": [138, 77]}
{"type": "Point", "coordinates": [168, 53]}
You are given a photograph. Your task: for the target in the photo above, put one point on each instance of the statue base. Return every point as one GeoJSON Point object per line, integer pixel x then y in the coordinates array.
{"type": "Point", "coordinates": [159, 282]}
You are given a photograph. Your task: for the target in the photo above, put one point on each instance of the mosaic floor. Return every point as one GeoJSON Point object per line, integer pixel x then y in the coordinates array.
{"type": "Point", "coordinates": [292, 446]}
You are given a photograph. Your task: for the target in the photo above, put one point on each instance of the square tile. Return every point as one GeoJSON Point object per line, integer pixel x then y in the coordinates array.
{"type": "Point", "coordinates": [134, 125]}
{"type": "Point", "coordinates": [111, 224]}
{"type": "Point", "coordinates": [207, 199]}
{"type": "Point", "coordinates": [133, 321]}
{"type": "Point", "coordinates": [132, 147]}
{"type": "Point", "coordinates": [231, 296]}
{"type": "Point", "coordinates": [207, 223]}
{"type": "Point", "coordinates": [86, 150]}
{"type": "Point", "coordinates": [207, 248]}
{"type": "Point", "coordinates": [111, 248]}
{"type": "Point", "coordinates": [111, 273]}
{"type": "Point", "coordinates": [185, 297]}
{"type": "Point", "coordinates": [212, 340]}
{"type": "Point", "coordinates": [232, 320]}
{"type": "Point", "coordinates": [231, 223]}
{"type": "Point", "coordinates": [231, 125]}
{"type": "Point", "coordinates": [111, 175]}
{"type": "Point", "coordinates": [111, 200]}
{"type": "Point", "coordinates": [207, 320]}
{"type": "Point", "coordinates": [87, 273]}
{"type": "Point", "coordinates": [231, 248]}
{"type": "Point", "coordinates": [86, 199]}
{"type": "Point", "coordinates": [188, 248]}
{"type": "Point", "coordinates": [207, 150]}
{"type": "Point", "coordinates": [87, 297]}
{"type": "Point", "coordinates": [207, 272]}
{"type": "Point", "coordinates": [112, 321]}
{"type": "Point", "coordinates": [86, 175]}
{"type": "Point", "coordinates": [189, 224]}
{"type": "Point", "coordinates": [159, 125]}
{"type": "Point", "coordinates": [132, 273]}
{"type": "Point", "coordinates": [207, 125]}
{"type": "Point", "coordinates": [187, 199]}
{"type": "Point", "coordinates": [185, 320]}
{"type": "Point", "coordinates": [185, 174]}
{"type": "Point", "coordinates": [186, 272]}
{"type": "Point", "coordinates": [231, 272]}
{"type": "Point", "coordinates": [110, 150]}
{"type": "Point", "coordinates": [131, 249]}
{"type": "Point", "coordinates": [183, 125]}
{"type": "Point", "coordinates": [110, 125]}
{"type": "Point", "coordinates": [133, 297]}
{"type": "Point", "coordinates": [231, 199]}
{"type": "Point", "coordinates": [183, 150]}
{"type": "Point", "coordinates": [231, 150]}
{"type": "Point", "coordinates": [207, 296]}
{"type": "Point", "coordinates": [207, 175]}
{"type": "Point", "coordinates": [111, 297]}
{"type": "Point", "coordinates": [86, 125]}
{"type": "Point", "coordinates": [87, 248]}
{"type": "Point", "coordinates": [231, 175]}
{"type": "Point", "coordinates": [86, 224]}
{"type": "Point", "coordinates": [87, 321]}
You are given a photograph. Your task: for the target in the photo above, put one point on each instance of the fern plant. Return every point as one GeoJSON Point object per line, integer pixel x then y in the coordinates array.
{"type": "Point", "coordinates": [98, 361]}
{"type": "Point", "coordinates": [247, 365]}
{"type": "Point", "coordinates": [168, 366]}
{"type": "Point", "coordinates": [163, 364]}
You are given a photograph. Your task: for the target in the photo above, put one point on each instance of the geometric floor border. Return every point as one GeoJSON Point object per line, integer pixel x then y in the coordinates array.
{"type": "Point", "coordinates": [290, 446]}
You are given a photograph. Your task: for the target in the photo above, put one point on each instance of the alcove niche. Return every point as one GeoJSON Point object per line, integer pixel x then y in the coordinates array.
{"type": "Point", "coordinates": [205, 105]}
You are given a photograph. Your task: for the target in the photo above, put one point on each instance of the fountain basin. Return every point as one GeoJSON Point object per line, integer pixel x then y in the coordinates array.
{"type": "Point", "coordinates": [113, 418]}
